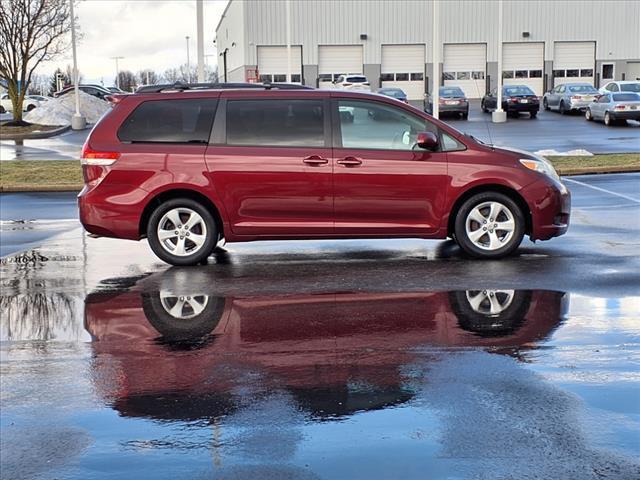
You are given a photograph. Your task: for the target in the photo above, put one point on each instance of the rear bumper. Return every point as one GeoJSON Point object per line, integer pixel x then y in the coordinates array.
{"type": "Point", "coordinates": [112, 210]}
{"type": "Point", "coordinates": [581, 106]}
{"type": "Point", "coordinates": [550, 205]}
{"type": "Point", "coordinates": [460, 108]}
{"type": "Point", "coordinates": [522, 107]}
{"type": "Point", "coordinates": [631, 115]}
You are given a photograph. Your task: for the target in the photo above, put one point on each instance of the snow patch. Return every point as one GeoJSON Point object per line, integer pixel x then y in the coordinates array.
{"type": "Point", "coordinates": [571, 153]}
{"type": "Point", "coordinates": [58, 111]}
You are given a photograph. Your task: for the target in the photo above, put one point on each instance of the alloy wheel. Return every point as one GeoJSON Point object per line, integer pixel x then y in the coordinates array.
{"type": "Point", "coordinates": [183, 307]}
{"type": "Point", "coordinates": [490, 225]}
{"type": "Point", "coordinates": [490, 302]}
{"type": "Point", "coordinates": [182, 231]}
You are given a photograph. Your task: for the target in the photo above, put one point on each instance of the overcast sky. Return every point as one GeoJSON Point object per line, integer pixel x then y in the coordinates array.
{"type": "Point", "coordinates": [148, 33]}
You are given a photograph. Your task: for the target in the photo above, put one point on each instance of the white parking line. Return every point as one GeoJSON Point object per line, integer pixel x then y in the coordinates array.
{"type": "Point", "coordinates": [635, 200]}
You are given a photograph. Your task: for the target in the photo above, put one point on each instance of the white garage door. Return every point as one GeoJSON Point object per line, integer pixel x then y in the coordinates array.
{"type": "Point", "coordinates": [465, 66]}
{"type": "Point", "coordinates": [523, 64]}
{"type": "Point", "coordinates": [633, 71]}
{"type": "Point", "coordinates": [336, 60]}
{"type": "Point", "coordinates": [403, 67]}
{"type": "Point", "coordinates": [573, 62]}
{"type": "Point", "coordinates": [272, 64]}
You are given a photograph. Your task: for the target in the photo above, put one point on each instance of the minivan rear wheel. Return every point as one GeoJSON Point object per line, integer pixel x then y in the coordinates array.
{"type": "Point", "coordinates": [182, 232]}
{"type": "Point", "coordinates": [489, 225]}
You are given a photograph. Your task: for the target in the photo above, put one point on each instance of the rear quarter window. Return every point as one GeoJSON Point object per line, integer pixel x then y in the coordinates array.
{"type": "Point", "coordinates": [170, 121]}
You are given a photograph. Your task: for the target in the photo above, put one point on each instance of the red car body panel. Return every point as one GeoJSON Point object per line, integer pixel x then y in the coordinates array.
{"type": "Point", "coordinates": [271, 193]}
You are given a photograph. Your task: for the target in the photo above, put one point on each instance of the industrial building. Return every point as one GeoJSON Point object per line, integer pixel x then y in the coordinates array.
{"type": "Point", "coordinates": [544, 42]}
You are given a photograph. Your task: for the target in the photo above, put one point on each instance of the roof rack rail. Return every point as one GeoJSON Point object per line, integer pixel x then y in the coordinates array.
{"type": "Point", "coordinates": [210, 86]}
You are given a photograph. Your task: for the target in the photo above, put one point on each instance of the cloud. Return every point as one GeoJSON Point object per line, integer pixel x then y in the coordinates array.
{"type": "Point", "coordinates": [149, 34]}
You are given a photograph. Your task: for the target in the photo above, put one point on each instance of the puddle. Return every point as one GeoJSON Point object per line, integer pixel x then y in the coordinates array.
{"type": "Point", "coordinates": [156, 374]}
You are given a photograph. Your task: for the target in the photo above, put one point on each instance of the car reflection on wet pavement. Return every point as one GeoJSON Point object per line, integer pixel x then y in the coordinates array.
{"type": "Point", "coordinates": [114, 367]}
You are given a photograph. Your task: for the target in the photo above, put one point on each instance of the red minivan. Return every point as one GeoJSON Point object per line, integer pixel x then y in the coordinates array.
{"type": "Point", "coordinates": [189, 165]}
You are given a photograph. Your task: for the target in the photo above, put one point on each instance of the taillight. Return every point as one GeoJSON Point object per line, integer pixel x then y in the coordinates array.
{"type": "Point", "coordinates": [535, 99]}
{"type": "Point", "coordinates": [576, 97]}
{"type": "Point", "coordinates": [96, 163]}
{"type": "Point", "coordinates": [619, 107]}
{"type": "Point", "coordinates": [97, 157]}
{"type": "Point", "coordinates": [514, 99]}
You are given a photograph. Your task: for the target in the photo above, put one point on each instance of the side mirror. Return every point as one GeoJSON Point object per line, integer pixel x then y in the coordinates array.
{"type": "Point", "coordinates": [427, 140]}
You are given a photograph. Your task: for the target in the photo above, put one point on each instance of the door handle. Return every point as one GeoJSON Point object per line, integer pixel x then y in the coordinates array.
{"type": "Point", "coordinates": [315, 160]}
{"type": "Point", "coordinates": [349, 162]}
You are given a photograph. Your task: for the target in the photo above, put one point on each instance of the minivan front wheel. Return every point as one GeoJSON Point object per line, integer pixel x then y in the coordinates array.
{"type": "Point", "coordinates": [182, 232]}
{"type": "Point", "coordinates": [489, 225]}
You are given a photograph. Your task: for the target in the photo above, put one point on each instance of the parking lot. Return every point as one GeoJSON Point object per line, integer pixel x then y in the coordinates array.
{"type": "Point", "coordinates": [303, 350]}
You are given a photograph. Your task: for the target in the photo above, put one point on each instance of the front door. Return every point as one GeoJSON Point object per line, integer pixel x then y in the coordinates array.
{"type": "Point", "coordinates": [383, 183]}
{"type": "Point", "coordinates": [272, 169]}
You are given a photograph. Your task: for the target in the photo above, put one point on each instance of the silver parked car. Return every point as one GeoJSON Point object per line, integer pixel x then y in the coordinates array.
{"type": "Point", "coordinates": [569, 97]}
{"type": "Point", "coordinates": [614, 108]}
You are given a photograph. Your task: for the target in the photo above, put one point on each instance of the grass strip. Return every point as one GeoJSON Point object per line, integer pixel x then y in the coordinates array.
{"type": "Point", "coordinates": [32, 175]}
{"type": "Point", "coordinates": [52, 175]}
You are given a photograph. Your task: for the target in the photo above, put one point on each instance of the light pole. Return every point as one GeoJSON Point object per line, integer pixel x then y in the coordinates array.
{"type": "Point", "coordinates": [499, 115]}
{"type": "Point", "coordinates": [188, 65]}
{"type": "Point", "coordinates": [78, 122]}
{"type": "Point", "coordinates": [117, 70]}
{"type": "Point", "coordinates": [435, 91]}
{"type": "Point", "coordinates": [288, 26]}
{"type": "Point", "coordinates": [200, 42]}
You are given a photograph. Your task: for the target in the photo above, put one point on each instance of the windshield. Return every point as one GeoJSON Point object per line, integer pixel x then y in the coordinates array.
{"type": "Point", "coordinates": [582, 89]}
{"type": "Point", "coordinates": [451, 92]}
{"type": "Point", "coordinates": [523, 90]}
{"type": "Point", "coordinates": [626, 97]}
{"type": "Point", "coordinates": [630, 87]}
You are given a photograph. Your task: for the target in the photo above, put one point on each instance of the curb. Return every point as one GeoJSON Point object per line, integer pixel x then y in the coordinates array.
{"type": "Point", "coordinates": [30, 136]}
{"type": "Point", "coordinates": [598, 170]}
{"type": "Point", "coordinates": [40, 188]}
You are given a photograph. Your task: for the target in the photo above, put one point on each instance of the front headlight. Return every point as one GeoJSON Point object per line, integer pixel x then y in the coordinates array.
{"type": "Point", "coordinates": [540, 165]}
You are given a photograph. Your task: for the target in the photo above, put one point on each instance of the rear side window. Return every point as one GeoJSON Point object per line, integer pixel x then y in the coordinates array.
{"type": "Point", "coordinates": [626, 97]}
{"type": "Point", "coordinates": [277, 123]}
{"type": "Point", "coordinates": [170, 121]}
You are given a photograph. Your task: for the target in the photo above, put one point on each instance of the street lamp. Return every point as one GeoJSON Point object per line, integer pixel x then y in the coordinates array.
{"type": "Point", "coordinates": [435, 91]}
{"type": "Point", "coordinates": [78, 122]}
{"type": "Point", "coordinates": [499, 115]}
{"type": "Point", "coordinates": [117, 70]}
{"type": "Point", "coordinates": [200, 40]}
{"type": "Point", "coordinates": [188, 65]}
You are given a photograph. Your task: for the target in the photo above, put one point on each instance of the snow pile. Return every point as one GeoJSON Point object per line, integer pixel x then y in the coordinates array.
{"type": "Point", "coordinates": [58, 111]}
{"type": "Point", "coordinates": [571, 153]}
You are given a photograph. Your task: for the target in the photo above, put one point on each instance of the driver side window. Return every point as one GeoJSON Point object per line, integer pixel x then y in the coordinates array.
{"type": "Point", "coordinates": [372, 125]}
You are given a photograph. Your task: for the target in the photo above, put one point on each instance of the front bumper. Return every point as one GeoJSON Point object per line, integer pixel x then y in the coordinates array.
{"type": "Point", "coordinates": [550, 205]}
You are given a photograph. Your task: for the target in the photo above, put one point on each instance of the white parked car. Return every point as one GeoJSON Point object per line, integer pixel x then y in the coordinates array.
{"type": "Point", "coordinates": [6, 106]}
{"type": "Point", "coordinates": [624, 86]}
{"type": "Point", "coordinates": [353, 82]}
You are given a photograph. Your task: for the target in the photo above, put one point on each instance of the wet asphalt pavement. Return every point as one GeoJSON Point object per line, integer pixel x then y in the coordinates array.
{"type": "Point", "coordinates": [329, 360]}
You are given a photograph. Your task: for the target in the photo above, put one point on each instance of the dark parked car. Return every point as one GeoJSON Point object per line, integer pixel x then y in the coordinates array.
{"type": "Point", "coordinates": [396, 93]}
{"type": "Point", "coordinates": [515, 99]}
{"type": "Point", "coordinates": [187, 167]}
{"type": "Point", "coordinates": [115, 90]}
{"type": "Point", "coordinates": [95, 90]}
{"type": "Point", "coordinates": [614, 108]}
{"type": "Point", "coordinates": [452, 100]}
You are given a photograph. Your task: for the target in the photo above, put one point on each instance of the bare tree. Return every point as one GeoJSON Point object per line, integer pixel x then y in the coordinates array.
{"type": "Point", "coordinates": [31, 31]}
{"type": "Point", "coordinates": [126, 80]}
{"type": "Point", "coordinates": [148, 77]}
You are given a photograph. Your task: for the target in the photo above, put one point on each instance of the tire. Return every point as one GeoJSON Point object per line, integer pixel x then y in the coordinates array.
{"type": "Point", "coordinates": [484, 108]}
{"type": "Point", "coordinates": [30, 107]}
{"type": "Point", "coordinates": [545, 104]}
{"type": "Point", "coordinates": [497, 242]}
{"type": "Point", "coordinates": [2, 109]}
{"type": "Point", "coordinates": [182, 249]}
{"type": "Point", "coordinates": [182, 318]}
{"type": "Point", "coordinates": [608, 121]}
{"type": "Point", "coordinates": [533, 114]}
{"type": "Point", "coordinates": [465, 116]}
{"type": "Point", "coordinates": [562, 109]}
{"type": "Point", "coordinates": [490, 313]}
{"type": "Point", "coordinates": [587, 115]}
